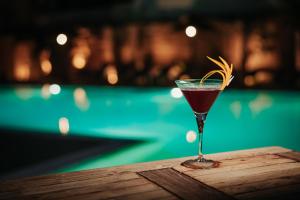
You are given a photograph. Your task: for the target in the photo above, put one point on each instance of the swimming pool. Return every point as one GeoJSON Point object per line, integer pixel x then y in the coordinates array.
{"type": "Point", "coordinates": [162, 126]}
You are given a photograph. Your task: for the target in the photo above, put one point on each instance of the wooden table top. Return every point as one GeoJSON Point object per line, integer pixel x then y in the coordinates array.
{"type": "Point", "coordinates": [262, 173]}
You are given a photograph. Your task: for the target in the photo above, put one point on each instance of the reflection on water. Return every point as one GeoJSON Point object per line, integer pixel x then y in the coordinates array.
{"type": "Point", "coordinates": [236, 109]}
{"type": "Point", "coordinates": [54, 89]}
{"type": "Point", "coordinates": [260, 103]}
{"type": "Point", "coordinates": [128, 102]}
{"type": "Point", "coordinates": [81, 99]}
{"type": "Point", "coordinates": [108, 103]}
{"type": "Point", "coordinates": [191, 136]}
{"type": "Point", "coordinates": [176, 93]}
{"type": "Point", "coordinates": [63, 124]}
{"type": "Point", "coordinates": [157, 118]}
{"type": "Point", "coordinates": [45, 92]}
{"type": "Point", "coordinates": [24, 93]}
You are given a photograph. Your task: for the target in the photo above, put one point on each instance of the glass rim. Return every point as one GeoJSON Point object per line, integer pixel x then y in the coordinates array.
{"type": "Point", "coordinates": [195, 84]}
{"type": "Point", "coordinates": [199, 79]}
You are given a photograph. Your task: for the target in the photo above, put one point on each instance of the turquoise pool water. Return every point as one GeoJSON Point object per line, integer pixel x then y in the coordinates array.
{"type": "Point", "coordinates": [165, 125]}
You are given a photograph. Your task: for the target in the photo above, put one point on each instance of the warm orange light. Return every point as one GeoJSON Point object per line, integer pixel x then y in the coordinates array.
{"type": "Point", "coordinates": [263, 77]}
{"type": "Point", "coordinates": [22, 72]}
{"type": "Point", "coordinates": [112, 78]}
{"type": "Point", "coordinates": [46, 66]}
{"type": "Point", "coordinates": [184, 76]}
{"type": "Point", "coordinates": [249, 80]}
{"type": "Point", "coordinates": [174, 72]}
{"type": "Point", "coordinates": [111, 74]}
{"type": "Point", "coordinates": [81, 99]}
{"type": "Point", "coordinates": [45, 63]}
{"type": "Point", "coordinates": [64, 125]}
{"type": "Point", "coordinates": [45, 91]}
{"type": "Point", "coordinates": [79, 61]}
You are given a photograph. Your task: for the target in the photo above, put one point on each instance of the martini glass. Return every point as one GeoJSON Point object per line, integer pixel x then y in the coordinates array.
{"type": "Point", "coordinates": [200, 97]}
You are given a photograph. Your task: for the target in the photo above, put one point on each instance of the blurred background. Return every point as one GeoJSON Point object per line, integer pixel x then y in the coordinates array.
{"type": "Point", "coordinates": [149, 43]}
{"type": "Point", "coordinates": [89, 84]}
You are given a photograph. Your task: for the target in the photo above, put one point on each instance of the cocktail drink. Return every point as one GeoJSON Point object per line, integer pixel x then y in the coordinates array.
{"type": "Point", "coordinates": [201, 94]}
{"type": "Point", "coordinates": [201, 99]}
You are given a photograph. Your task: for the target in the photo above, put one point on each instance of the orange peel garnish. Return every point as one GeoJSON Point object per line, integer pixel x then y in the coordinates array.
{"type": "Point", "coordinates": [225, 72]}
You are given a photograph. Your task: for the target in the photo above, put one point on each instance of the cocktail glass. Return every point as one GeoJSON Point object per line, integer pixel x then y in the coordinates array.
{"type": "Point", "coordinates": [200, 96]}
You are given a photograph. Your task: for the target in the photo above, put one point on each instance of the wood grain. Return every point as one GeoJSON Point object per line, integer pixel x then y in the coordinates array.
{"type": "Point", "coordinates": [291, 155]}
{"type": "Point", "coordinates": [284, 192]}
{"type": "Point", "coordinates": [183, 186]}
{"type": "Point", "coordinates": [255, 186]}
{"type": "Point", "coordinates": [262, 173]}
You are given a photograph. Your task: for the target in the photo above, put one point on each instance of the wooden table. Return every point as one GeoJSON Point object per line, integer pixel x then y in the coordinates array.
{"type": "Point", "coordinates": [263, 173]}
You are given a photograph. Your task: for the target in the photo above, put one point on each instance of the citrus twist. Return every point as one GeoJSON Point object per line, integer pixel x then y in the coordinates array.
{"type": "Point", "coordinates": [225, 72]}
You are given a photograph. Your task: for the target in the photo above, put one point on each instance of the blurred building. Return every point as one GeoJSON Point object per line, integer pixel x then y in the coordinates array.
{"type": "Point", "coordinates": [149, 43]}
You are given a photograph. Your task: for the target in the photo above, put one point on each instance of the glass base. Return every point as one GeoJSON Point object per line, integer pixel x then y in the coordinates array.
{"type": "Point", "coordinates": [200, 163]}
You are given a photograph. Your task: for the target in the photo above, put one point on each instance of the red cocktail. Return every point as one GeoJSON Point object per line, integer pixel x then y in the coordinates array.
{"type": "Point", "coordinates": [201, 99]}
{"type": "Point", "coordinates": [200, 96]}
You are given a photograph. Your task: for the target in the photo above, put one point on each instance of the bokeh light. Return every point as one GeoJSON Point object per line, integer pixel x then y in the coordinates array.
{"type": "Point", "coordinates": [22, 72]}
{"type": "Point", "coordinates": [45, 63]}
{"type": "Point", "coordinates": [46, 66]}
{"type": "Point", "coordinates": [54, 89]}
{"type": "Point", "coordinates": [176, 93]}
{"type": "Point", "coordinates": [64, 126]}
{"type": "Point", "coordinates": [45, 91]}
{"type": "Point", "coordinates": [191, 136]}
{"type": "Point", "coordinates": [249, 81]}
{"type": "Point", "coordinates": [61, 39]}
{"type": "Point", "coordinates": [111, 74]}
{"type": "Point", "coordinates": [191, 31]}
{"type": "Point", "coordinates": [79, 61]}
{"type": "Point", "coordinates": [81, 99]}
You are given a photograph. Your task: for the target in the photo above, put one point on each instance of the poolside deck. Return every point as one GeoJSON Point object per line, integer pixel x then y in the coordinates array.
{"type": "Point", "coordinates": [263, 173]}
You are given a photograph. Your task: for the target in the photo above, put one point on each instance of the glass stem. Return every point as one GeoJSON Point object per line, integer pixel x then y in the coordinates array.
{"type": "Point", "coordinates": [200, 117]}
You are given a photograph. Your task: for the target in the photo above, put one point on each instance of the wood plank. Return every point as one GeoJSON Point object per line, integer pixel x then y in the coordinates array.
{"type": "Point", "coordinates": [87, 174]}
{"type": "Point", "coordinates": [291, 155]}
{"type": "Point", "coordinates": [256, 183]}
{"type": "Point", "coordinates": [240, 163]}
{"type": "Point", "coordinates": [156, 194]}
{"type": "Point", "coordinates": [235, 166]}
{"type": "Point", "coordinates": [108, 193]}
{"type": "Point", "coordinates": [182, 185]}
{"type": "Point", "coordinates": [90, 188]}
{"type": "Point", "coordinates": [99, 190]}
{"type": "Point", "coordinates": [107, 180]}
{"type": "Point", "coordinates": [247, 153]}
{"type": "Point", "coordinates": [221, 179]}
{"type": "Point", "coordinates": [273, 193]}
{"type": "Point", "coordinates": [78, 186]}
{"type": "Point", "coordinates": [124, 191]}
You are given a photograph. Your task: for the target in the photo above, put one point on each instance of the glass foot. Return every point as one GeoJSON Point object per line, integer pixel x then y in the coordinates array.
{"type": "Point", "coordinates": [200, 163]}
